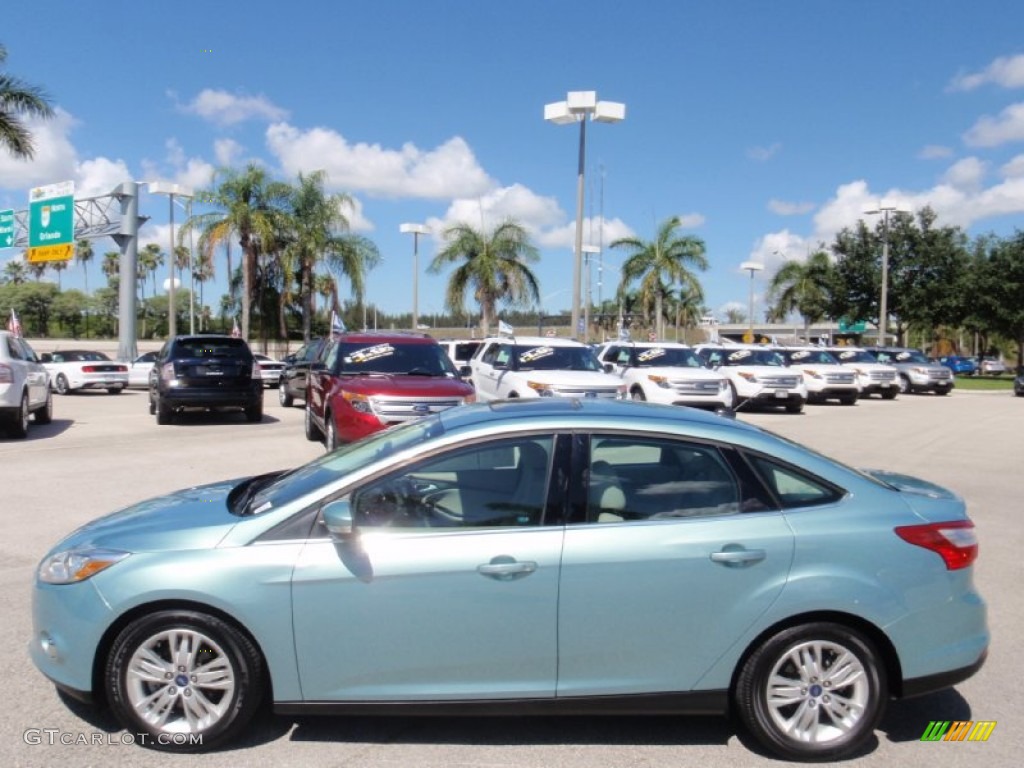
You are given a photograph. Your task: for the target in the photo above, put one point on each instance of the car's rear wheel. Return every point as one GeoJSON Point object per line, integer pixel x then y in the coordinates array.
{"type": "Point", "coordinates": [45, 414]}
{"type": "Point", "coordinates": [164, 413]}
{"type": "Point", "coordinates": [254, 413]}
{"type": "Point", "coordinates": [178, 675]}
{"type": "Point", "coordinates": [19, 422]}
{"type": "Point", "coordinates": [114, 390]}
{"type": "Point", "coordinates": [312, 433]}
{"type": "Point", "coordinates": [61, 384]}
{"type": "Point", "coordinates": [283, 397]}
{"type": "Point", "coordinates": [812, 692]}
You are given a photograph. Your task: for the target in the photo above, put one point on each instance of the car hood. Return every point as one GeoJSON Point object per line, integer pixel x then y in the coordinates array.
{"type": "Point", "coordinates": [193, 518]}
{"type": "Point", "coordinates": [677, 373]}
{"type": "Point", "coordinates": [575, 378]}
{"type": "Point", "coordinates": [405, 386]}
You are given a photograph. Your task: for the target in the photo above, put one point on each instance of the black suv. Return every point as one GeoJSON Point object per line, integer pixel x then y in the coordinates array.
{"type": "Point", "coordinates": [295, 373]}
{"type": "Point", "coordinates": [205, 372]}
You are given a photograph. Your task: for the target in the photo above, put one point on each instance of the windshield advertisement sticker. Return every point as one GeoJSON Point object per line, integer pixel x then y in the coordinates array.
{"type": "Point", "coordinates": [367, 354]}
{"type": "Point", "coordinates": [536, 353]}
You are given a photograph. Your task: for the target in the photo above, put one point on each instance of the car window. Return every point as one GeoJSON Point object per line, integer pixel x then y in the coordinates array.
{"type": "Point", "coordinates": [393, 357]}
{"type": "Point", "coordinates": [795, 488]}
{"type": "Point", "coordinates": [27, 352]}
{"type": "Point", "coordinates": [14, 349]}
{"type": "Point", "coordinates": [646, 478]}
{"type": "Point", "coordinates": [496, 484]}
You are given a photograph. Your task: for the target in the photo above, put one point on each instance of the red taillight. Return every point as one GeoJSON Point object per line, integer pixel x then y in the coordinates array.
{"type": "Point", "coordinates": [955, 542]}
{"type": "Point", "coordinates": [6, 374]}
{"type": "Point", "coordinates": [88, 369]}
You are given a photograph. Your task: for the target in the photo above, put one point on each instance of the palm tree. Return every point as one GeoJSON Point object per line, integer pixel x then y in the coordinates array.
{"type": "Point", "coordinates": [250, 204]}
{"type": "Point", "coordinates": [111, 265]}
{"type": "Point", "coordinates": [319, 234]}
{"type": "Point", "coordinates": [15, 272]}
{"type": "Point", "coordinates": [493, 266]}
{"type": "Point", "coordinates": [18, 99]}
{"type": "Point", "coordinates": [803, 286]}
{"type": "Point", "coordinates": [58, 267]}
{"type": "Point", "coordinates": [326, 287]}
{"type": "Point", "coordinates": [151, 258]}
{"type": "Point", "coordinates": [83, 255]}
{"type": "Point", "coordinates": [202, 270]}
{"type": "Point", "coordinates": [663, 261]}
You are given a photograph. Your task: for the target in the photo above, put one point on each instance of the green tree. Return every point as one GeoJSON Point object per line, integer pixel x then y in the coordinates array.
{"type": "Point", "coordinates": [18, 100]}
{"type": "Point", "coordinates": [250, 204]}
{"type": "Point", "coordinates": [1002, 289]}
{"type": "Point", "coordinates": [202, 271]}
{"type": "Point", "coordinates": [657, 264]}
{"type": "Point", "coordinates": [111, 265]}
{"type": "Point", "coordinates": [69, 308]}
{"type": "Point", "coordinates": [804, 287]}
{"type": "Point", "coordinates": [36, 301]}
{"type": "Point", "coordinates": [15, 272]}
{"type": "Point", "coordinates": [151, 258]}
{"type": "Point", "coordinates": [83, 255]}
{"type": "Point", "coordinates": [318, 234]}
{"type": "Point", "coordinates": [494, 266]}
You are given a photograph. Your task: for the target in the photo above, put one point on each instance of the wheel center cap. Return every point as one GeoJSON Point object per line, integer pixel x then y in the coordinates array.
{"type": "Point", "coordinates": [181, 680]}
{"type": "Point", "coordinates": [816, 691]}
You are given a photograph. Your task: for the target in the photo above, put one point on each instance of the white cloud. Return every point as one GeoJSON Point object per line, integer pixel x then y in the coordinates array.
{"type": "Point", "coordinates": [227, 151]}
{"type": "Point", "coordinates": [224, 109]}
{"type": "Point", "coordinates": [564, 237]}
{"type": "Point", "coordinates": [1013, 168]}
{"type": "Point", "coordinates": [192, 172]}
{"type": "Point", "coordinates": [1006, 71]}
{"type": "Point", "coordinates": [761, 154]}
{"type": "Point", "coordinates": [785, 208]}
{"type": "Point", "coordinates": [991, 131]}
{"type": "Point", "coordinates": [934, 152]}
{"type": "Point", "coordinates": [448, 171]}
{"type": "Point", "coordinates": [54, 159]}
{"type": "Point", "coordinates": [691, 220]}
{"type": "Point", "coordinates": [965, 174]}
{"type": "Point", "coordinates": [100, 176]}
{"type": "Point", "coordinates": [353, 212]}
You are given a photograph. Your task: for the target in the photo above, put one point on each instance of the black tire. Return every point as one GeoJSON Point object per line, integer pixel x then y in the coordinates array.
{"type": "Point", "coordinates": [848, 400]}
{"type": "Point", "coordinates": [905, 388]}
{"type": "Point", "coordinates": [254, 415]}
{"type": "Point", "coordinates": [61, 384]}
{"type": "Point", "coordinates": [853, 693]}
{"type": "Point", "coordinates": [637, 394]}
{"type": "Point", "coordinates": [331, 432]}
{"type": "Point", "coordinates": [164, 413]}
{"type": "Point", "coordinates": [114, 390]}
{"type": "Point", "coordinates": [283, 397]}
{"type": "Point", "coordinates": [735, 396]}
{"type": "Point", "coordinates": [228, 702]}
{"type": "Point", "coordinates": [19, 420]}
{"type": "Point", "coordinates": [889, 394]}
{"type": "Point", "coordinates": [942, 391]}
{"type": "Point", "coordinates": [152, 405]}
{"type": "Point", "coordinates": [795, 407]}
{"type": "Point", "coordinates": [313, 434]}
{"type": "Point", "coordinates": [44, 415]}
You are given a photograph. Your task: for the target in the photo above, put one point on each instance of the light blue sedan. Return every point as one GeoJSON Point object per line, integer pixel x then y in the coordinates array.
{"type": "Point", "coordinates": [525, 557]}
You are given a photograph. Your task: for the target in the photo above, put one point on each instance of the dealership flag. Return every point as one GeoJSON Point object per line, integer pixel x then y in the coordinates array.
{"type": "Point", "coordinates": [505, 328]}
{"type": "Point", "coordinates": [13, 325]}
{"type": "Point", "coordinates": [236, 332]}
{"type": "Point", "coordinates": [337, 326]}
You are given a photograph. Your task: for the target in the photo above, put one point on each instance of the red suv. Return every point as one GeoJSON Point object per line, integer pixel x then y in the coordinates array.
{"type": "Point", "coordinates": [365, 382]}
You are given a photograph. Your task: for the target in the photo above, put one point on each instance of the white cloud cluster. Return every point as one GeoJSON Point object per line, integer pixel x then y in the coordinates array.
{"type": "Point", "coordinates": [448, 171]}
{"type": "Point", "coordinates": [934, 152]}
{"type": "Point", "coordinates": [785, 208]}
{"type": "Point", "coordinates": [1003, 128]}
{"type": "Point", "coordinates": [1006, 71]}
{"type": "Point", "coordinates": [762, 154]}
{"type": "Point", "coordinates": [55, 157]}
{"type": "Point", "coordinates": [225, 109]}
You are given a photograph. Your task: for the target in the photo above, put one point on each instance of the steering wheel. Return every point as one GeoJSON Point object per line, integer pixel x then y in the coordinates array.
{"type": "Point", "coordinates": [441, 509]}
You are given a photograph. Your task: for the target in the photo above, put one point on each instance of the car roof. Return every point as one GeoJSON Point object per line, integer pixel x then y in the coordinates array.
{"type": "Point", "coordinates": [378, 337]}
{"type": "Point", "coordinates": [547, 341]}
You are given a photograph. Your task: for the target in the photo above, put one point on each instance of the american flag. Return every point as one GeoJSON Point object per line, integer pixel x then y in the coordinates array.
{"type": "Point", "coordinates": [337, 326]}
{"type": "Point", "coordinates": [14, 325]}
{"type": "Point", "coordinates": [236, 332]}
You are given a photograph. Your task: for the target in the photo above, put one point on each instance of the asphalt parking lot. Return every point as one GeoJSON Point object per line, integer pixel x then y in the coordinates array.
{"type": "Point", "coordinates": [102, 452]}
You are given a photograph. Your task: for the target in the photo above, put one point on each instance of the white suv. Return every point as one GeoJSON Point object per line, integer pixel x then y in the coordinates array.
{"type": "Point", "coordinates": [873, 377]}
{"type": "Point", "coordinates": [825, 378]}
{"type": "Point", "coordinates": [534, 366]}
{"type": "Point", "coordinates": [666, 373]}
{"type": "Point", "coordinates": [24, 385]}
{"type": "Point", "coordinates": [758, 375]}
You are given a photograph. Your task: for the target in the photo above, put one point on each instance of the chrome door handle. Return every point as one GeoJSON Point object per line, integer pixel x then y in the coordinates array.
{"type": "Point", "coordinates": [738, 556]}
{"type": "Point", "coordinates": [507, 570]}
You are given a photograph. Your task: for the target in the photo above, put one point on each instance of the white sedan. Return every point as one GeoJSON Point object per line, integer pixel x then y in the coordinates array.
{"type": "Point", "coordinates": [270, 370]}
{"type": "Point", "coordinates": [75, 369]}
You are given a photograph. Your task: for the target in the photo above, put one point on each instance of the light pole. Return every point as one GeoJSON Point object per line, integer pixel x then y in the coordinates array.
{"type": "Point", "coordinates": [415, 230]}
{"type": "Point", "coordinates": [575, 109]}
{"type": "Point", "coordinates": [172, 191]}
{"type": "Point", "coordinates": [752, 267]}
{"type": "Point", "coordinates": [883, 303]}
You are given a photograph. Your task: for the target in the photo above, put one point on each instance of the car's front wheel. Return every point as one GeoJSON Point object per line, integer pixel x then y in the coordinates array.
{"type": "Point", "coordinates": [188, 680]}
{"type": "Point", "coordinates": [164, 413]}
{"type": "Point", "coordinates": [61, 384]}
{"type": "Point", "coordinates": [283, 397]}
{"type": "Point", "coordinates": [45, 414]}
{"type": "Point", "coordinates": [812, 692]}
{"type": "Point", "coordinates": [905, 388]}
{"type": "Point", "coordinates": [331, 436]}
{"type": "Point", "coordinates": [313, 434]}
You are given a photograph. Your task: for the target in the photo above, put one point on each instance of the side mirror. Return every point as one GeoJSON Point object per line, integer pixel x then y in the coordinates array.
{"type": "Point", "coordinates": [46, 357]}
{"type": "Point", "coordinates": [317, 366]}
{"type": "Point", "coordinates": [465, 371]}
{"type": "Point", "coordinates": [608, 368]}
{"type": "Point", "coordinates": [288, 359]}
{"type": "Point", "coordinates": [338, 519]}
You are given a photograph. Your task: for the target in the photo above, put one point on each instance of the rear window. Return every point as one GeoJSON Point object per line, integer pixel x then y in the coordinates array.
{"type": "Point", "coordinates": [204, 348]}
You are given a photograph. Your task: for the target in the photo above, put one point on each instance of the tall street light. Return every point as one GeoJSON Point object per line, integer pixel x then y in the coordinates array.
{"type": "Point", "coordinates": [575, 109]}
{"type": "Point", "coordinates": [883, 304]}
{"type": "Point", "coordinates": [752, 267]}
{"type": "Point", "coordinates": [172, 191]}
{"type": "Point", "coordinates": [415, 230]}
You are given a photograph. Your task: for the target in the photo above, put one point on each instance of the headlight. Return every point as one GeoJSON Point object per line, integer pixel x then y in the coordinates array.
{"type": "Point", "coordinates": [358, 403]}
{"type": "Point", "coordinates": [469, 399]}
{"type": "Point", "coordinates": [813, 374]}
{"type": "Point", "coordinates": [661, 381]}
{"type": "Point", "coordinates": [747, 376]}
{"type": "Point", "coordinates": [75, 565]}
{"type": "Point", "coordinates": [543, 390]}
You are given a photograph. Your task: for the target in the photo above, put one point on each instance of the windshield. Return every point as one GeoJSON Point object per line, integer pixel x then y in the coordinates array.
{"type": "Point", "coordinates": [545, 358]}
{"type": "Point", "coordinates": [753, 357]}
{"type": "Point", "coordinates": [358, 359]}
{"type": "Point", "coordinates": [812, 356]}
{"type": "Point", "coordinates": [854, 356]}
{"type": "Point", "coordinates": [345, 460]}
{"type": "Point", "coordinates": [675, 357]}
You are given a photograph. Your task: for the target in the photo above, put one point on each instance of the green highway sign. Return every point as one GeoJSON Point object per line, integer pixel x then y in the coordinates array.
{"type": "Point", "coordinates": [845, 326]}
{"type": "Point", "coordinates": [51, 222]}
{"type": "Point", "coordinates": [7, 229]}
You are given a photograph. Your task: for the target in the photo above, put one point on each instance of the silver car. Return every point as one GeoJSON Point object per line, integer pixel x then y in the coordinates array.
{"type": "Point", "coordinates": [24, 386]}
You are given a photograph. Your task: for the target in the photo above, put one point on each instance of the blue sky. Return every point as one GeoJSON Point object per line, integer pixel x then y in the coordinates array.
{"type": "Point", "coordinates": [766, 126]}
